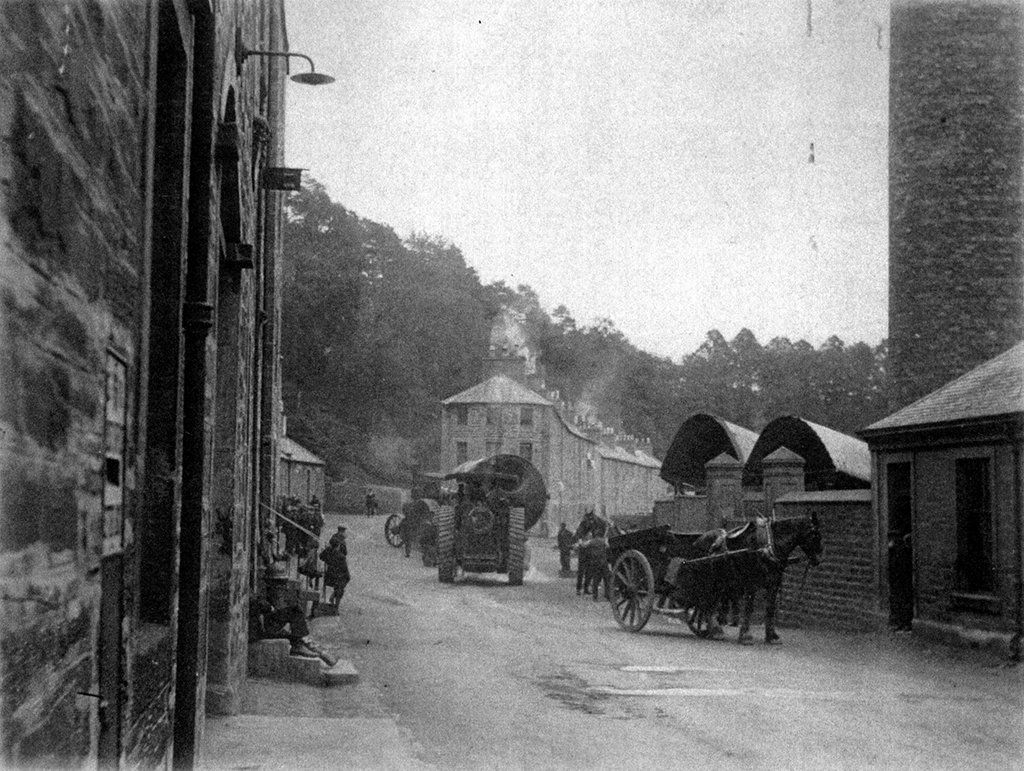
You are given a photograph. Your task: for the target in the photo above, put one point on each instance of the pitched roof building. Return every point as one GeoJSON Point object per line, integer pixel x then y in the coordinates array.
{"type": "Point", "coordinates": [948, 472]}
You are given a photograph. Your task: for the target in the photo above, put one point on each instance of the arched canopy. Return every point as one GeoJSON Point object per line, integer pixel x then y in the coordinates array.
{"type": "Point", "coordinates": [701, 438]}
{"type": "Point", "coordinates": [834, 461]}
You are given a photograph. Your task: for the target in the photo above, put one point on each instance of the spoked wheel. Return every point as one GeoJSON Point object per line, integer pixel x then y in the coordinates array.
{"type": "Point", "coordinates": [632, 590]}
{"type": "Point", "coordinates": [392, 531]}
{"type": "Point", "coordinates": [516, 546]}
{"type": "Point", "coordinates": [446, 545]}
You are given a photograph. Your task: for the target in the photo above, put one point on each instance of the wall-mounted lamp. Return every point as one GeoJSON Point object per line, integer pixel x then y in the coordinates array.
{"type": "Point", "coordinates": [311, 78]}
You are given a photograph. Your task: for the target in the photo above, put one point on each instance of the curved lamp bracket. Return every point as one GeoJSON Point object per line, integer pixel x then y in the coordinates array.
{"type": "Point", "coordinates": [311, 78]}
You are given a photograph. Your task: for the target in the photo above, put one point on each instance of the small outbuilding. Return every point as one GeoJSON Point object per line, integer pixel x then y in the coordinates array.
{"type": "Point", "coordinates": [300, 473]}
{"type": "Point", "coordinates": [948, 473]}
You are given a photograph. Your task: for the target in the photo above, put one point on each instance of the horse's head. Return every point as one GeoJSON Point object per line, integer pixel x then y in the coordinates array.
{"type": "Point", "coordinates": [810, 540]}
{"type": "Point", "coordinates": [802, 532]}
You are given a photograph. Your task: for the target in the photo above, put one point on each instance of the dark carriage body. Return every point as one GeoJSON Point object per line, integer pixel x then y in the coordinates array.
{"type": "Point", "coordinates": [660, 545]}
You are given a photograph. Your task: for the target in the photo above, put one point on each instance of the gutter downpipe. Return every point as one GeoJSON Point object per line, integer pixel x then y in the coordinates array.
{"type": "Point", "coordinates": [1016, 436]}
{"type": "Point", "coordinates": [198, 318]}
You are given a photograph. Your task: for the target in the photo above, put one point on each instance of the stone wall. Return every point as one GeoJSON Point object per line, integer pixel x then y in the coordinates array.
{"type": "Point", "coordinates": [72, 107]}
{"type": "Point", "coordinates": [107, 342]}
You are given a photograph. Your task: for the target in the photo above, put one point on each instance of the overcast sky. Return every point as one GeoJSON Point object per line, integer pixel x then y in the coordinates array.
{"type": "Point", "coordinates": [645, 161]}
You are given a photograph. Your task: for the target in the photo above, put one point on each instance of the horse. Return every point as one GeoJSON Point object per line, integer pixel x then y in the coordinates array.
{"type": "Point", "coordinates": [759, 554]}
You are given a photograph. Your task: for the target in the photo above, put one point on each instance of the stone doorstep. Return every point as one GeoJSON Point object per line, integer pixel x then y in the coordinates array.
{"type": "Point", "coordinates": [271, 659]}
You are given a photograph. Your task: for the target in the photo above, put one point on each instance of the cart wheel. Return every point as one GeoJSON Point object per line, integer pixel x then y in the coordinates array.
{"type": "Point", "coordinates": [632, 590]}
{"type": "Point", "coordinates": [516, 546]}
{"type": "Point", "coordinates": [446, 545]}
{"type": "Point", "coordinates": [391, 530]}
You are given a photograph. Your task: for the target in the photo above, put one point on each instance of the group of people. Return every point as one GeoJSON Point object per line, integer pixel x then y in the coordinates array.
{"type": "Point", "coordinates": [276, 610]}
{"type": "Point", "coordinates": [590, 540]}
{"type": "Point", "coordinates": [307, 516]}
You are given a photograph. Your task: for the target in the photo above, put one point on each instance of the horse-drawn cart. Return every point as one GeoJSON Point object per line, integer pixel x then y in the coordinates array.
{"type": "Point", "coordinates": [658, 571]}
{"type": "Point", "coordinates": [694, 577]}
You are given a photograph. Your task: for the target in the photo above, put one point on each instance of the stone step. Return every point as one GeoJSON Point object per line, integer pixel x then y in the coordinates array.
{"type": "Point", "coordinates": [271, 659]}
{"type": "Point", "coordinates": [325, 609]}
{"type": "Point", "coordinates": [342, 673]}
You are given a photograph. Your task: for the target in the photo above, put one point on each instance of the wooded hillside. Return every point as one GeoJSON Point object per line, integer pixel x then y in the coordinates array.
{"type": "Point", "coordinates": [378, 329]}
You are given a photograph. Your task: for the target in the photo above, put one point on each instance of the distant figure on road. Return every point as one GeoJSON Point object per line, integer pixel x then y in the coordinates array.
{"type": "Point", "coordinates": [335, 559]}
{"type": "Point", "coordinates": [371, 503]}
{"type": "Point", "coordinates": [565, 542]}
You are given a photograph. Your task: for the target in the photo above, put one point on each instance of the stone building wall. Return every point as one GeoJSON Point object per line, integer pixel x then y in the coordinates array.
{"type": "Point", "coordinates": [131, 380]}
{"type": "Point", "coordinates": [956, 171]}
{"type": "Point", "coordinates": [72, 282]}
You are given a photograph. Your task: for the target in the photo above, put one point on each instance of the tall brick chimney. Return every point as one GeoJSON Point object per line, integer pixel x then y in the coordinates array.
{"type": "Point", "coordinates": [513, 367]}
{"type": "Point", "coordinates": [956, 148]}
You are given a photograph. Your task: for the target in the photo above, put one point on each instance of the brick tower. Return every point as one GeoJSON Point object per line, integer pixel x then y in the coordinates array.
{"type": "Point", "coordinates": [956, 149]}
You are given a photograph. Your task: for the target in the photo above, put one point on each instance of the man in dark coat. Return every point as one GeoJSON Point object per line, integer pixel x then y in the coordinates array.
{"type": "Point", "coordinates": [590, 527]}
{"type": "Point", "coordinates": [565, 542]}
{"type": "Point", "coordinates": [335, 559]}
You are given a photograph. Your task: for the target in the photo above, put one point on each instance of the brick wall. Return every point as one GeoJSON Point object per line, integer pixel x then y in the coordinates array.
{"type": "Point", "coordinates": [842, 592]}
{"type": "Point", "coordinates": [956, 139]}
{"type": "Point", "coordinates": [935, 538]}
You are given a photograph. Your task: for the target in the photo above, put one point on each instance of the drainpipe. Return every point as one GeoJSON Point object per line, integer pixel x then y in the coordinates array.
{"type": "Point", "coordinates": [1018, 641]}
{"type": "Point", "coordinates": [198, 321]}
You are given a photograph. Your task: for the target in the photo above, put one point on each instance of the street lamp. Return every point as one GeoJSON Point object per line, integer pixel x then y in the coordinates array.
{"type": "Point", "coordinates": [311, 78]}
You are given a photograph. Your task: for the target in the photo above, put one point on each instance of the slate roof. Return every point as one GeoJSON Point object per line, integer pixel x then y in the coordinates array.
{"type": "Point", "coordinates": [995, 388]}
{"type": "Point", "coordinates": [290, 450]}
{"type": "Point", "coordinates": [499, 389]}
{"type": "Point", "coordinates": [637, 457]}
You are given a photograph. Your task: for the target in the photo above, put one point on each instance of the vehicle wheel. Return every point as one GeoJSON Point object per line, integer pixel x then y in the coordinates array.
{"type": "Point", "coordinates": [516, 546]}
{"type": "Point", "coordinates": [446, 545]}
{"type": "Point", "coordinates": [632, 590]}
{"type": "Point", "coordinates": [392, 530]}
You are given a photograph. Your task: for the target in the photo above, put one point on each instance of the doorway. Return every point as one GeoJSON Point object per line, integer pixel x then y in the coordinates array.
{"type": "Point", "coordinates": [899, 496]}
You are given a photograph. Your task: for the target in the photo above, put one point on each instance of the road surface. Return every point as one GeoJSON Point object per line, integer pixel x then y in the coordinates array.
{"type": "Point", "coordinates": [481, 675]}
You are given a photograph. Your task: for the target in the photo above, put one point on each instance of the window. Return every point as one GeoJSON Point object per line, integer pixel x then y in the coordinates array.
{"type": "Point", "coordinates": [526, 451]}
{"type": "Point", "coordinates": [493, 415]}
{"type": "Point", "coordinates": [461, 453]}
{"type": "Point", "coordinates": [462, 414]}
{"type": "Point", "coordinates": [526, 416]}
{"type": "Point", "coordinates": [493, 448]}
{"type": "Point", "coordinates": [974, 564]}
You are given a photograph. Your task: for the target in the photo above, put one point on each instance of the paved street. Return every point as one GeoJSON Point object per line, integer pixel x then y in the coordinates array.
{"type": "Point", "coordinates": [483, 675]}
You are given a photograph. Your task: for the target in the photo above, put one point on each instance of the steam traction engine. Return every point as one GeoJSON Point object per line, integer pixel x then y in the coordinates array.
{"type": "Point", "coordinates": [499, 499]}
